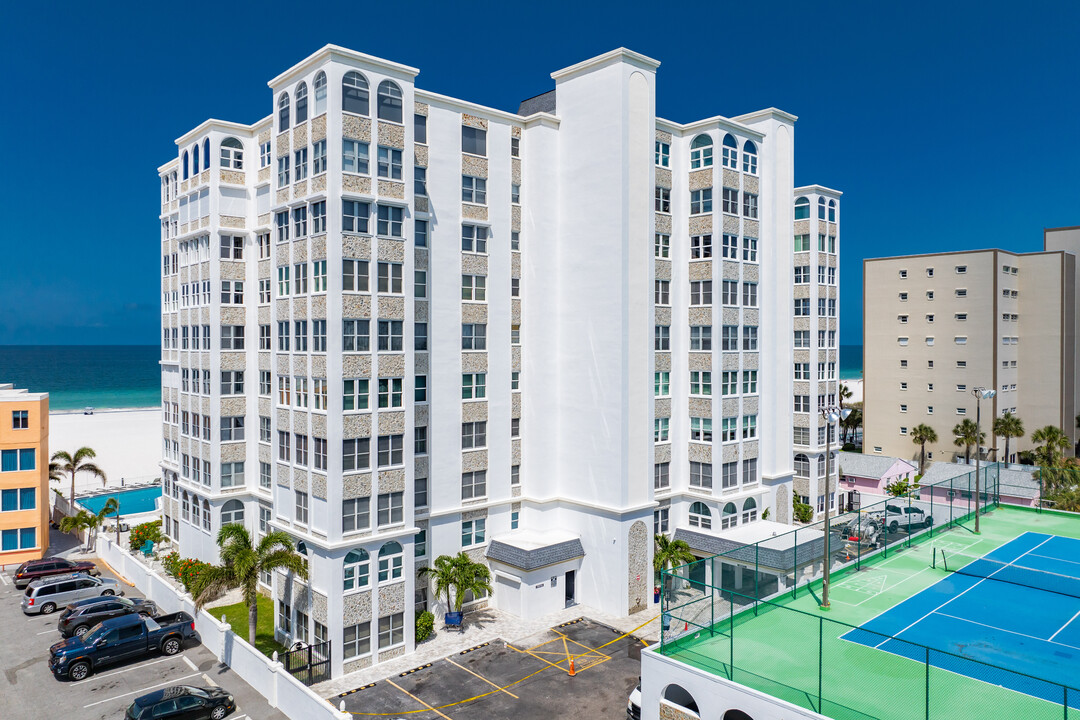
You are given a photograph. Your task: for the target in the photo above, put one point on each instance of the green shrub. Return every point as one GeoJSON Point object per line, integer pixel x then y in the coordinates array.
{"type": "Point", "coordinates": [146, 531]}
{"type": "Point", "coordinates": [803, 512]}
{"type": "Point", "coordinates": [425, 623]}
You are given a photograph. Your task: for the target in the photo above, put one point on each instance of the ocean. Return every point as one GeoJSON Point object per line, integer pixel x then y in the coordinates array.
{"type": "Point", "coordinates": [77, 376]}
{"type": "Point", "coordinates": [850, 362]}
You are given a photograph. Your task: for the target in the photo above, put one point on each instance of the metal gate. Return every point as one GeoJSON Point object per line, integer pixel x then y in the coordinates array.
{"type": "Point", "coordinates": [309, 664]}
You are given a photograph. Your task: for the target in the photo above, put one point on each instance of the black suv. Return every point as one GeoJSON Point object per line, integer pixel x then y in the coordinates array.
{"type": "Point", "coordinates": [80, 616]}
{"type": "Point", "coordinates": [35, 569]}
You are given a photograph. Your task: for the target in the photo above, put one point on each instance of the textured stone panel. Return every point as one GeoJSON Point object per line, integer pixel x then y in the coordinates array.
{"type": "Point", "coordinates": [356, 485]}
{"type": "Point", "coordinates": [356, 608]}
{"type": "Point", "coordinates": [750, 272]}
{"type": "Point", "coordinates": [420, 258]}
{"type": "Point", "coordinates": [663, 223]}
{"type": "Point", "coordinates": [422, 362]}
{"type": "Point", "coordinates": [391, 480]}
{"type": "Point", "coordinates": [353, 366]}
{"type": "Point", "coordinates": [355, 127]}
{"type": "Point", "coordinates": [473, 121]}
{"type": "Point", "coordinates": [391, 308]}
{"type": "Point", "coordinates": [699, 452]}
{"type": "Point", "coordinates": [472, 362]}
{"type": "Point", "coordinates": [262, 177]}
{"type": "Point", "coordinates": [474, 313]}
{"type": "Point", "coordinates": [515, 405]}
{"type": "Point", "coordinates": [318, 307]}
{"type": "Point", "coordinates": [729, 407]}
{"type": "Point", "coordinates": [750, 183]}
{"type": "Point", "coordinates": [282, 144]}
{"type": "Point", "coordinates": [750, 449]}
{"type": "Point", "coordinates": [392, 189]}
{"type": "Point", "coordinates": [515, 312]}
{"type": "Point", "coordinates": [283, 475]}
{"type": "Point", "coordinates": [391, 365]}
{"type": "Point", "coordinates": [801, 420]}
{"type": "Point", "coordinates": [515, 171]}
{"type": "Point", "coordinates": [360, 184]}
{"type": "Point", "coordinates": [637, 572]}
{"type": "Point", "coordinates": [318, 183]}
{"type": "Point", "coordinates": [390, 250]}
{"type": "Point", "coordinates": [391, 600]}
{"type": "Point", "coordinates": [356, 306]}
{"type": "Point", "coordinates": [663, 315]}
{"type": "Point", "coordinates": [474, 264]}
{"type": "Point", "coordinates": [474, 411]}
{"type": "Point", "coordinates": [356, 246]}
{"type": "Point", "coordinates": [300, 189]}
{"type": "Point", "coordinates": [662, 453]}
{"type": "Point", "coordinates": [801, 291]}
{"type": "Point", "coordinates": [730, 178]}
{"type": "Point", "coordinates": [356, 426]}
{"type": "Point", "coordinates": [700, 361]}
{"type": "Point", "coordinates": [700, 179]}
{"type": "Point", "coordinates": [731, 453]}
{"type": "Point", "coordinates": [318, 425]}
{"type": "Point", "coordinates": [802, 323]}
{"type": "Point", "coordinates": [700, 316]}
{"type": "Point", "coordinates": [233, 361]}
{"type": "Point", "coordinates": [751, 316]}
{"type": "Point", "coordinates": [318, 128]}
{"type": "Point", "coordinates": [232, 315]}
{"type": "Point", "coordinates": [662, 407]}
{"type": "Point", "coordinates": [392, 135]}
{"type": "Point", "coordinates": [731, 225]}
{"type": "Point", "coordinates": [264, 219]}
{"type": "Point", "coordinates": [420, 415]}
{"type": "Point", "coordinates": [282, 196]}
{"type": "Point", "coordinates": [663, 136]}
{"type": "Point", "coordinates": [730, 316]}
{"type": "Point", "coordinates": [750, 361]}
{"type": "Point", "coordinates": [474, 460]}
{"type": "Point", "coordinates": [232, 177]}
{"type": "Point", "coordinates": [701, 224]}
{"type": "Point", "coordinates": [731, 361]}
{"type": "Point", "coordinates": [473, 212]}
{"type": "Point", "coordinates": [663, 361]}
{"type": "Point", "coordinates": [475, 166]}
{"type": "Point", "coordinates": [801, 388]}
{"type": "Point", "coordinates": [420, 155]}
{"type": "Point", "coordinates": [751, 228]}
{"type": "Point", "coordinates": [233, 452]}
{"type": "Point", "coordinates": [701, 407]}
{"type": "Point", "coordinates": [750, 406]}
{"type": "Point", "coordinates": [300, 134]}
{"type": "Point", "coordinates": [663, 177]}
{"type": "Point", "coordinates": [701, 270]}
{"type": "Point", "coordinates": [391, 423]}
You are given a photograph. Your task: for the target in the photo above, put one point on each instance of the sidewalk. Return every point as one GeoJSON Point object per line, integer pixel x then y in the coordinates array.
{"type": "Point", "coordinates": [485, 626]}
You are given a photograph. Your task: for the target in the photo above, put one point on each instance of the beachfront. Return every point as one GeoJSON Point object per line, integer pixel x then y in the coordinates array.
{"type": "Point", "coordinates": [127, 443]}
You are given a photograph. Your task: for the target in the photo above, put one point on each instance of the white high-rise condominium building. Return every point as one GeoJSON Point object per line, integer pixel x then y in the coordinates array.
{"type": "Point", "coordinates": [398, 325]}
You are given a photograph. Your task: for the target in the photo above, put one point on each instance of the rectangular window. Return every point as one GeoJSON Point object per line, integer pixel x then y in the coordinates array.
{"type": "Point", "coordinates": [264, 482]}
{"type": "Point", "coordinates": [473, 140]}
{"type": "Point", "coordinates": [662, 245]}
{"type": "Point", "coordinates": [389, 163]}
{"type": "Point", "coordinates": [729, 339]}
{"type": "Point", "coordinates": [473, 190]}
{"type": "Point", "coordinates": [391, 221]}
{"type": "Point", "coordinates": [356, 454]}
{"type": "Point", "coordinates": [232, 474]}
{"type": "Point", "coordinates": [232, 382]}
{"type": "Point", "coordinates": [356, 639]}
{"type": "Point", "coordinates": [701, 201]}
{"type": "Point", "coordinates": [662, 153]}
{"type": "Point", "coordinates": [730, 247]}
{"type": "Point", "coordinates": [701, 429]}
{"type": "Point", "coordinates": [420, 129]}
{"type": "Point", "coordinates": [662, 200]}
{"type": "Point", "coordinates": [660, 429]}
{"type": "Point", "coordinates": [283, 171]}
{"type": "Point", "coordinates": [750, 337]}
{"type": "Point", "coordinates": [284, 446]}
{"type": "Point", "coordinates": [264, 429]}
{"type": "Point", "coordinates": [802, 403]}
{"type": "Point", "coordinates": [473, 532]}
{"type": "Point", "coordinates": [300, 327]}
{"type": "Point", "coordinates": [390, 335]}
{"type": "Point", "coordinates": [474, 485]}
{"type": "Point", "coordinates": [730, 201]}
{"type": "Point", "coordinates": [802, 243]}
{"type": "Point", "coordinates": [354, 216]}
{"type": "Point", "coordinates": [662, 292]}
{"type": "Point", "coordinates": [701, 292]}
{"type": "Point", "coordinates": [301, 449]}
{"type": "Point", "coordinates": [474, 238]}
{"type": "Point", "coordinates": [661, 475]}
{"type": "Point", "coordinates": [283, 336]}
{"type": "Point", "coordinates": [662, 339]}
{"type": "Point", "coordinates": [301, 507]}
{"type": "Point", "coordinates": [729, 292]}
{"type": "Point", "coordinates": [701, 337]}
{"type": "Point", "coordinates": [390, 450]}
{"type": "Point", "coordinates": [420, 181]}
{"type": "Point", "coordinates": [701, 475]}
{"type": "Point", "coordinates": [232, 337]}
{"type": "Point", "coordinates": [355, 395]}
{"type": "Point", "coordinates": [473, 386]}
{"type": "Point", "coordinates": [391, 508]}
{"type": "Point", "coordinates": [232, 428]}
{"type": "Point", "coordinates": [420, 336]}
{"type": "Point", "coordinates": [729, 474]}
{"type": "Point", "coordinates": [300, 164]}
{"type": "Point", "coordinates": [728, 429]}
{"type": "Point", "coordinates": [320, 454]}
{"type": "Point", "coordinates": [700, 382]}
{"type": "Point", "coordinates": [318, 336]}
{"type": "Point", "coordinates": [749, 427]}
{"type": "Point", "coordinates": [390, 392]}
{"type": "Point", "coordinates": [354, 275]}
{"type": "Point", "coordinates": [356, 335]}
{"type": "Point", "coordinates": [420, 233]}
{"type": "Point", "coordinates": [473, 287]}
{"type": "Point", "coordinates": [661, 384]}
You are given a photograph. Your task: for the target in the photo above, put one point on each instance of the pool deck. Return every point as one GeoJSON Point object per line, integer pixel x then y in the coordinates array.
{"type": "Point", "coordinates": [793, 650]}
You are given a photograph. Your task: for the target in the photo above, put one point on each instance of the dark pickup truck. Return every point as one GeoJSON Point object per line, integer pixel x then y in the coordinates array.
{"type": "Point", "coordinates": [121, 638]}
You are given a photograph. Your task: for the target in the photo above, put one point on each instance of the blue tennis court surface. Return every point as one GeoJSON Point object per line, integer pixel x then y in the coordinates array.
{"type": "Point", "coordinates": [1018, 608]}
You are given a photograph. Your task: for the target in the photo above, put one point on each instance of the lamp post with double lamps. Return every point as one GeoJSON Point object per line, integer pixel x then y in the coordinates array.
{"type": "Point", "coordinates": [831, 414]}
{"type": "Point", "coordinates": [980, 394]}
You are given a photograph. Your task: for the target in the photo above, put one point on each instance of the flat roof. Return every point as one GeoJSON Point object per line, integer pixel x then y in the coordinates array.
{"type": "Point", "coordinates": [9, 393]}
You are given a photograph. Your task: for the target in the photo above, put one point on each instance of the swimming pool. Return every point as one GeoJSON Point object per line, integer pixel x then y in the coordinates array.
{"type": "Point", "coordinates": [132, 502]}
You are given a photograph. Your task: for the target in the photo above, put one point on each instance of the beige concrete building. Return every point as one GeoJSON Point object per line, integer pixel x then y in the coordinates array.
{"type": "Point", "coordinates": [937, 326]}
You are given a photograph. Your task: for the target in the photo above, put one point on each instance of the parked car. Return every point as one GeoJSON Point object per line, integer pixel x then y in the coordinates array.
{"type": "Point", "coordinates": [82, 615]}
{"type": "Point", "coordinates": [121, 638]}
{"type": "Point", "coordinates": [183, 702]}
{"type": "Point", "coordinates": [633, 704]}
{"type": "Point", "coordinates": [897, 516]}
{"type": "Point", "coordinates": [34, 569]}
{"type": "Point", "coordinates": [47, 594]}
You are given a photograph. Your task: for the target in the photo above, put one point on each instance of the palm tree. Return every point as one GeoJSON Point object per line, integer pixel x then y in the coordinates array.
{"type": "Point", "coordinates": [845, 394]}
{"type": "Point", "coordinates": [67, 464]}
{"type": "Point", "coordinates": [1008, 426]}
{"type": "Point", "coordinates": [967, 434]}
{"type": "Point", "coordinates": [920, 435]}
{"type": "Point", "coordinates": [460, 572]}
{"type": "Point", "coordinates": [88, 520]}
{"type": "Point", "coordinates": [668, 552]}
{"type": "Point", "coordinates": [1053, 442]}
{"type": "Point", "coordinates": [242, 562]}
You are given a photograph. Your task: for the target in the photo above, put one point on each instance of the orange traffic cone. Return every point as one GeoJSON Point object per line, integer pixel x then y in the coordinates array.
{"type": "Point", "coordinates": [571, 667]}
{"type": "Point", "coordinates": [686, 626]}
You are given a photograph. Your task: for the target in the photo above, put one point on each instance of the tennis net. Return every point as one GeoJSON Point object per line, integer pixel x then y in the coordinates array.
{"type": "Point", "coordinates": [1013, 573]}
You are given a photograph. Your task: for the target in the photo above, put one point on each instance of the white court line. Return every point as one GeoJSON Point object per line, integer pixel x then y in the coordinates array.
{"type": "Point", "coordinates": [1065, 626]}
{"type": "Point", "coordinates": [1051, 557]}
{"type": "Point", "coordinates": [126, 670]}
{"type": "Point", "coordinates": [954, 597]}
{"type": "Point", "coordinates": [137, 692]}
{"type": "Point", "coordinates": [1011, 632]}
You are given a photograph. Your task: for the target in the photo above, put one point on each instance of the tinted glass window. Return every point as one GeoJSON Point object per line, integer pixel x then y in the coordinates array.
{"type": "Point", "coordinates": [130, 633]}
{"type": "Point", "coordinates": [165, 708]}
{"type": "Point", "coordinates": [187, 702]}
{"type": "Point", "coordinates": [86, 583]}
{"type": "Point", "coordinates": [66, 586]}
{"type": "Point", "coordinates": [47, 590]}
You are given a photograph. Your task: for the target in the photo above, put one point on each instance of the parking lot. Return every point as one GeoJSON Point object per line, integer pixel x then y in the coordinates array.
{"type": "Point", "coordinates": [523, 680]}
{"type": "Point", "coordinates": [29, 691]}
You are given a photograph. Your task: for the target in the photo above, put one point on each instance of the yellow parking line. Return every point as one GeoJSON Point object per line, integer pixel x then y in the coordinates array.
{"type": "Point", "coordinates": [419, 700]}
{"type": "Point", "coordinates": [482, 678]}
{"type": "Point", "coordinates": [568, 638]}
{"type": "Point", "coordinates": [527, 652]}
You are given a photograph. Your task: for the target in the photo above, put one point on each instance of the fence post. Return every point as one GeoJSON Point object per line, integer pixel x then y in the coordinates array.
{"type": "Point", "coordinates": [820, 658]}
{"type": "Point", "coordinates": [931, 533]}
{"type": "Point", "coordinates": [927, 683]}
{"type": "Point", "coordinates": [795, 568]}
{"type": "Point", "coordinates": [859, 529]}
{"type": "Point", "coordinates": [731, 635]}
{"type": "Point", "coordinates": [757, 592]}
{"type": "Point", "coordinates": [908, 541]}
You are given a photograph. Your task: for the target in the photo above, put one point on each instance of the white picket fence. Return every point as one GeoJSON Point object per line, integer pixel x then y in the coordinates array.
{"type": "Point", "coordinates": [269, 678]}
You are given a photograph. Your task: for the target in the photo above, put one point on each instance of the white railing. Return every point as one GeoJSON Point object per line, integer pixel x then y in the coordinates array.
{"type": "Point", "coordinates": [269, 678]}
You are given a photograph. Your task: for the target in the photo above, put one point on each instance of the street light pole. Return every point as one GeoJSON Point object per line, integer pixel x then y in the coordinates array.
{"type": "Point", "coordinates": [980, 394]}
{"type": "Point", "coordinates": [831, 415]}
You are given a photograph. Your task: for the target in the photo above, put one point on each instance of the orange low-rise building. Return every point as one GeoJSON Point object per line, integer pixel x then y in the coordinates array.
{"type": "Point", "coordinates": [24, 475]}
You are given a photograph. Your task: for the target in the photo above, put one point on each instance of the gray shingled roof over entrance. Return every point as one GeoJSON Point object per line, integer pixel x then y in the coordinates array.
{"type": "Point", "coordinates": [540, 103]}
{"type": "Point", "coordinates": [867, 466]}
{"type": "Point", "coordinates": [536, 557]}
{"type": "Point", "coordinates": [763, 556]}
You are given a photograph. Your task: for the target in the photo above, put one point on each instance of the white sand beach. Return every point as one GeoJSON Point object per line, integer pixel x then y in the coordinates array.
{"type": "Point", "coordinates": [127, 443]}
{"type": "Point", "coordinates": [856, 388]}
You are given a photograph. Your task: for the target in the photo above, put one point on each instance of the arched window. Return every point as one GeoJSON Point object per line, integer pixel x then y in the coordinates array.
{"type": "Point", "coordinates": [206, 514]}
{"type": "Point", "coordinates": [283, 112]}
{"type": "Point", "coordinates": [729, 518]}
{"type": "Point", "coordinates": [320, 93]}
{"type": "Point", "coordinates": [195, 510]}
{"type": "Point", "coordinates": [821, 208]}
{"type": "Point", "coordinates": [206, 153]}
{"type": "Point", "coordinates": [185, 165]}
{"type": "Point", "coordinates": [749, 157]}
{"type": "Point", "coordinates": [389, 101]}
{"type": "Point", "coordinates": [802, 209]}
{"type": "Point", "coordinates": [749, 510]}
{"type": "Point", "coordinates": [390, 562]}
{"type": "Point", "coordinates": [832, 211]}
{"type": "Point", "coordinates": [731, 152]}
{"type": "Point", "coordinates": [301, 103]}
{"type": "Point", "coordinates": [232, 154]}
{"type": "Point", "coordinates": [677, 695]}
{"type": "Point", "coordinates": [802, 466]}
{"type": "Point", "coordinates": [701, 152]}
{"type": "Point", "coordinates": [821, 466]}
{"type": "Point", "coordinates": [195, 160]}
{"type": "Point", "coordinates": [357, 572]}
{"type": "Point", "coordinates": [700, 516]}
{"type": "Point", "coordinates": [354, 93]}
{"type": "Point", "coordinates": [232, 512]}
{"type": "Point", "coordinates": [185, 506]}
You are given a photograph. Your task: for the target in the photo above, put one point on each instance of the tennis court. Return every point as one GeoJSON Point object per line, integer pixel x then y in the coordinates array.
{"type": "Point", "coordinates": [1017, 607]}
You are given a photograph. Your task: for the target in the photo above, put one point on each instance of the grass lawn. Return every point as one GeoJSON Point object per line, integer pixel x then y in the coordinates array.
{"type": "Point", "coordinates": [237, 616]}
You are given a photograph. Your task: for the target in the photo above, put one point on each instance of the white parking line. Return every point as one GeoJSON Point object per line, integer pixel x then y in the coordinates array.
{"type": "Point", "coordinates": [120, 672]}
{"type": "Point", "coordinates": [43, 632]}
{"type": "Point", "coordinates": [209, 681]}
{"type": "Point", "coordinates": [138, 692]}
{"type": "Point", "coordinates": [190, 664]}
{"type": "Point", "coordinates": [4, 579]}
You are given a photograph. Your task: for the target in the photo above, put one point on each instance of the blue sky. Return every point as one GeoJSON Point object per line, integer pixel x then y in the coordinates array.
{"type": "Point", "coordinates": [946, 125]}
